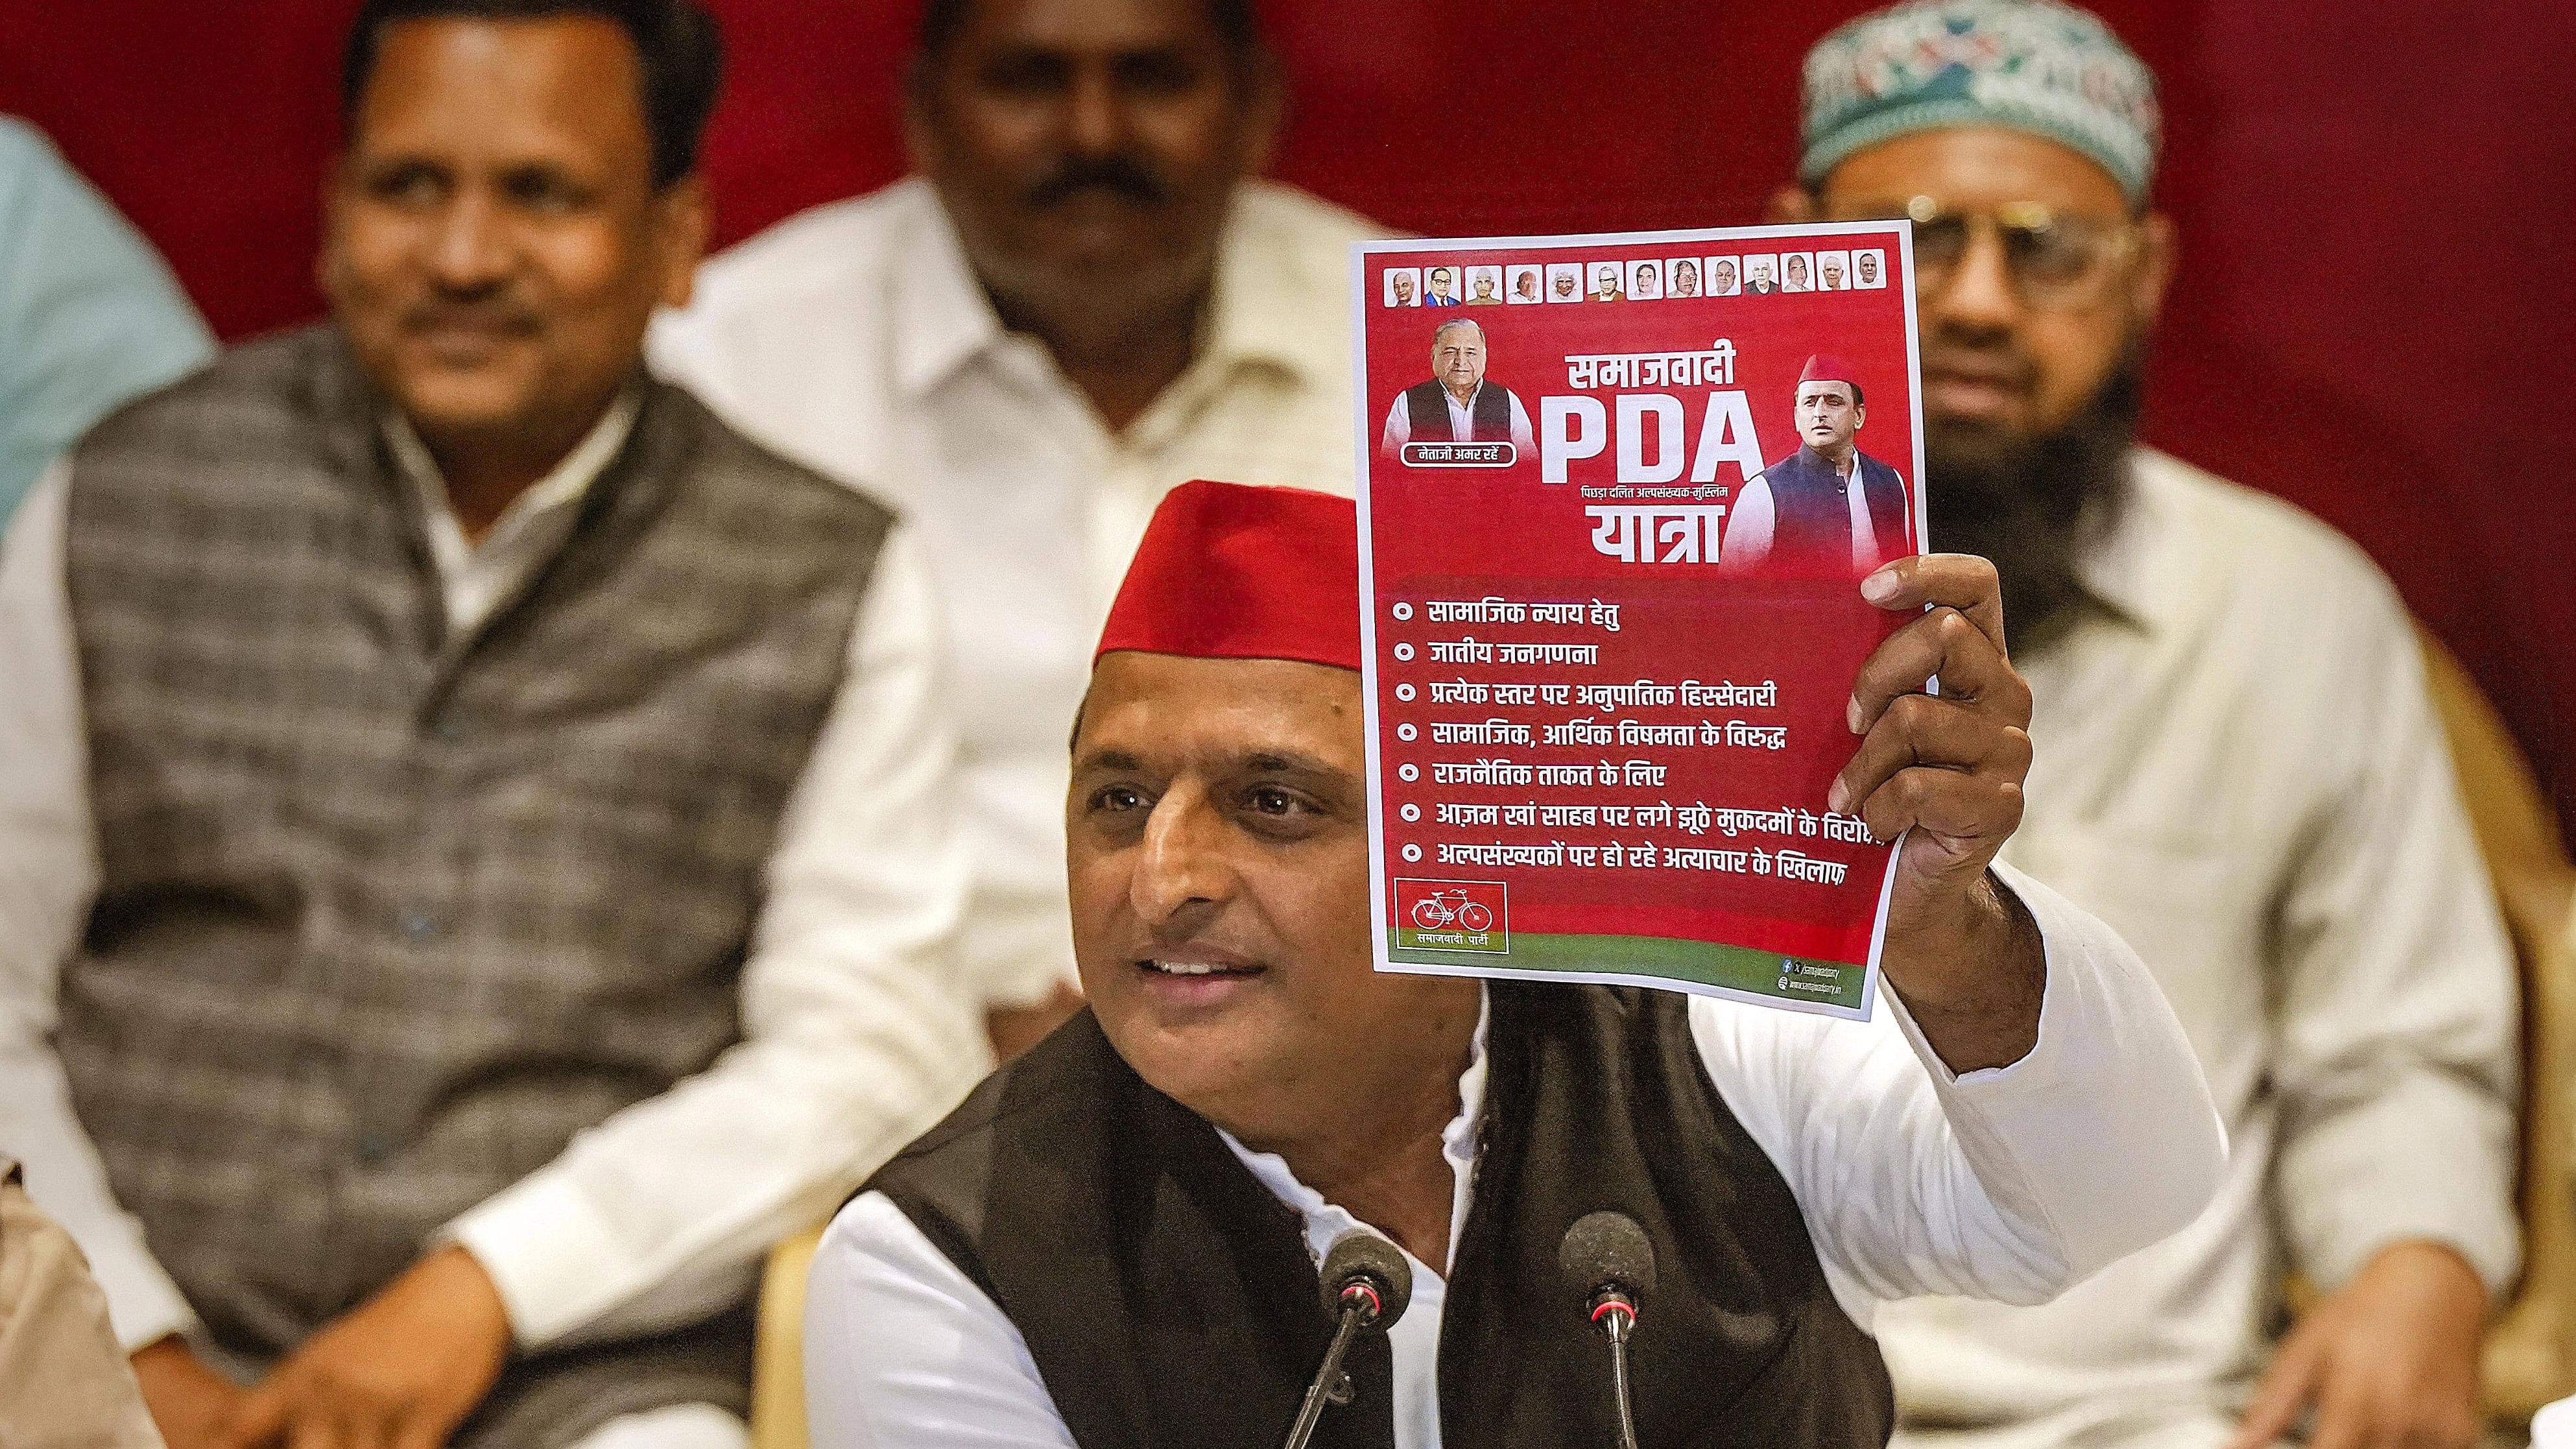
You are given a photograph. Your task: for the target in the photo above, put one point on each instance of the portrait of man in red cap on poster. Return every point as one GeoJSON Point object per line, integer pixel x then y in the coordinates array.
{"type": "Point", "coordinates": [1828, 507]}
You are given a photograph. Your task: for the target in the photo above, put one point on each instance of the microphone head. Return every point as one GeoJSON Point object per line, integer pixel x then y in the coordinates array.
{"type": "Point", "coordinates": [1359, 1256]}
{"type": "Point", "coordinates": [1604, 1249]}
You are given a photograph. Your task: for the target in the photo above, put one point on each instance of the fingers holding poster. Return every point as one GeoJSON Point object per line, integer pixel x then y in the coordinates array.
{"type": "Point", "coordinates": [1610, 557]}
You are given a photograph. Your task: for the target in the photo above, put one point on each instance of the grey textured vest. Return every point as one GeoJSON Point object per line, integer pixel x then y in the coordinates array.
{"type": "Point", "coordinates": [386, 917]}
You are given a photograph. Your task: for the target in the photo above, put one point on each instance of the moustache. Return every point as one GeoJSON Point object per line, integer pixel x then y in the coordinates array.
{"type": "Point", "coordinates": [481, 315]}
{"type": "Point", "coordinates": [1121, 176]}
{"type": "Point", "coordinates": [1994, 361]}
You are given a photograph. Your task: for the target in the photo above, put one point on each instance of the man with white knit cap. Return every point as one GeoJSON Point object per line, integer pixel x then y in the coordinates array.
{"type": "Point", "coordinates": [2239, 770]}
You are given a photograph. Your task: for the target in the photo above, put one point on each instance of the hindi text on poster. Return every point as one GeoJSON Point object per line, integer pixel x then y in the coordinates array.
{"type": "Point", "coordinates": [1614, 510]}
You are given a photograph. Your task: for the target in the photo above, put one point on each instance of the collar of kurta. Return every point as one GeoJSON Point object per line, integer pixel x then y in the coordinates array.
{"type": "Point", "coordinates": [943, 320]}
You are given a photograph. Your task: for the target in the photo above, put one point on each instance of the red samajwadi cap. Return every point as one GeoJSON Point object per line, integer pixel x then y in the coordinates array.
{"type": "Point", "coordinates": [1825, 367]}
{"type": "Point", "coordinates": [1232, 571]}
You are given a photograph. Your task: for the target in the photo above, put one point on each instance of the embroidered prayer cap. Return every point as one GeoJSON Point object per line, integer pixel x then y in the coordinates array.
{"type": "Point", "coordinates": [1232, 571]}
{"type": "Point", "coordinates": [2032, 65]}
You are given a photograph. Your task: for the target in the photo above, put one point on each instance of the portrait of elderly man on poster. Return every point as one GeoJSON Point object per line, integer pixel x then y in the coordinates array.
{"type": "Point", "coordinates": [1455, 404]}
{"type": "Point", "coordinates": [1828, 506]}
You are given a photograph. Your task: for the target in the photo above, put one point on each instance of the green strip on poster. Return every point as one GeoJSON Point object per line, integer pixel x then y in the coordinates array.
{"type": "Point", "coordinates": [1702, 963]}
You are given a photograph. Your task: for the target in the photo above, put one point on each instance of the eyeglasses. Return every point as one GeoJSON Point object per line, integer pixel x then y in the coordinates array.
{"type": "Point", "coordinates": [2056, 260]}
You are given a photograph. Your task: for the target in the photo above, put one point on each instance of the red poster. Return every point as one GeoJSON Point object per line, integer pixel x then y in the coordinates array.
{"type": "Point", "coordinates": [1616, 496]}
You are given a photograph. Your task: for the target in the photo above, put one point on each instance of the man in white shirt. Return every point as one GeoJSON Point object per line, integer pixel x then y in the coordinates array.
{"type": "Point", "coordinates": [1114, 1240]}
{"type": "Point", "coordinates": [1455, 404]}
{"type": "Point", "coordinates": [476, 858]}
{"type": "Point", "coordinates": [2238, 769]}
{"type": "Point", "coordinates": [1084, 298]}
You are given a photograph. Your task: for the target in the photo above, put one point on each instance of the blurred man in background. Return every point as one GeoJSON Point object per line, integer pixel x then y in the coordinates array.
{"type": "Point", "coordinates": [90, 315]}
{"type": "Point", "coordinates": [1085, 298]}
{"type": "Point", "coordinates": [475, 854]}
{"type": "Point", "coordinates": [2239, 769]}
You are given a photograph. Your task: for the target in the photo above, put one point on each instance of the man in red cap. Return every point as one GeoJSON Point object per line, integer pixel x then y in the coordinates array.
{"type": "Point", "coordinates": [1827, 506]}
{"type": "Point", "coordinates": [1114, 1241]}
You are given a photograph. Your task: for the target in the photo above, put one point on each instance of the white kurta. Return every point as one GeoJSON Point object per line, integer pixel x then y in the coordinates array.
{"type": "Point", "coordinates": [855, 339]}
{"type": "Point", "coordinates": [2011, 1183]}
{"type": "Point", "coordinates": [2241, 773]}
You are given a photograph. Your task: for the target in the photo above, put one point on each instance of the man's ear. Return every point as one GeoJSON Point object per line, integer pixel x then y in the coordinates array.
{"type": "Point", "coordinates": [682, 220]}
{"type": "Point", "coordinates": [2155, 266]}
{"type": "Point", "coordinates": [1791, 203]}
{"type": "Point", "coordinates": [914, 114]}
{"type": "Point", "coordinates": [1265, 108]}
{"type": "Point", "coordinates": [329, 206]}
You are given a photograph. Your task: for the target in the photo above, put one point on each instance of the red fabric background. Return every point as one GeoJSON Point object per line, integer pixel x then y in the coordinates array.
{"type": "Point", "coordinates": [2376, 200]}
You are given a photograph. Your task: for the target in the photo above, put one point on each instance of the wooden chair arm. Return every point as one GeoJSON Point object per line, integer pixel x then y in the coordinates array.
{"type": "Point", "coordinates": [778, 1347]}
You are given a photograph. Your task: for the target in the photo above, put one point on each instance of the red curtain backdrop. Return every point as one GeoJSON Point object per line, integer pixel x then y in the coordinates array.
{"type": "Point", "coordinates": [2376, 199]}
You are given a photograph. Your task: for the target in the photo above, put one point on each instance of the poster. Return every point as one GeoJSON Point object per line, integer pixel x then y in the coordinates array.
{"type": "Point", "coordinates": [1616, 495]}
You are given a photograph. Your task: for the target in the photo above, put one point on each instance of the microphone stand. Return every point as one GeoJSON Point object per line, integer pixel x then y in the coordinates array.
{"type": "Point", "coordinates": [1617, 1316]}
{"type": "Point", "coordinates": [1359, 1309]}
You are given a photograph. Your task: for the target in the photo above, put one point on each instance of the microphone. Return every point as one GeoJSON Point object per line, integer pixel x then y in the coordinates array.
{"type": "Point", "coordinates": [1367, 1285]}
{"type": "Point", "coordinates": [1610, 1264]}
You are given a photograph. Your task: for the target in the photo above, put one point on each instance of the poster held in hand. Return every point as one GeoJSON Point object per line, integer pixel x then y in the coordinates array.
{"type": "Point", "coordinates": [1610, 555]}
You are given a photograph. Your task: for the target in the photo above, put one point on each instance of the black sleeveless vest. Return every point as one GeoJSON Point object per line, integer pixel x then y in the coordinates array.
{"type": "Point", "coordinates": [1489, 418]}
{"type": "Point", "coordinates": [1169, 1300]}
{"type": "Point", "coordinates": [1811, 511]}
